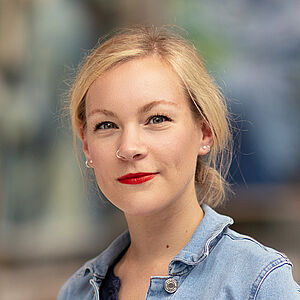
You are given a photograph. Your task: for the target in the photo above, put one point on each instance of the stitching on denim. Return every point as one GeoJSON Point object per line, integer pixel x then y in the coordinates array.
{"type": "Point", "coordinates": [241, 238]}
{"type": "Point", "coordinates": [279, 262]}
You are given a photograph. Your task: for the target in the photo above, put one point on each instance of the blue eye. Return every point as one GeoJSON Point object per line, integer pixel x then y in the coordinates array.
{"type": "Point", "coordinates": [105, 126]}
{"type": "Point", "coordinates": [157, 119]}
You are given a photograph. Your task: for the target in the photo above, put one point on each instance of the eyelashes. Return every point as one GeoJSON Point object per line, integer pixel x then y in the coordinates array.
{"type": "Point", "coordinates": [105, 126]}
{"type": "Point", "coordinates": [156, 119]}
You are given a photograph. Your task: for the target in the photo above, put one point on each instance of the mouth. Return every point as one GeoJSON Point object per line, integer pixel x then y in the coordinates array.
{"type": "Point", "coordinates": [136, 178]}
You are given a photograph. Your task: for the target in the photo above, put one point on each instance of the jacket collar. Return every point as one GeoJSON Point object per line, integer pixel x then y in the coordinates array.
{"type": "Point", "coordinates": [99, 265]}
{"type": "Point", "coordinates": [204, 239]}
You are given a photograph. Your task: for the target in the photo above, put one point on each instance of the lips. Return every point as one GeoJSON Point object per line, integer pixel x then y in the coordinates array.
{"type": "Point", "coordinates": [136, 178]}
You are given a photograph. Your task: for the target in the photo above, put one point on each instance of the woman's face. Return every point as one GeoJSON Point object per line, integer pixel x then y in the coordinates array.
{"type": "Point", "coordinates": [139, 109]}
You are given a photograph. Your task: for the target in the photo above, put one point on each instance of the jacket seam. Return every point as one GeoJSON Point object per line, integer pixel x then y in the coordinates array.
{"type": "Point", "coordinates": [244, 238]}
{"type": "Point", "coordinates": [265, 272]}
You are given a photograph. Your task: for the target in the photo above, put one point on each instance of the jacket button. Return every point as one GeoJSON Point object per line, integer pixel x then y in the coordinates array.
{"type": "Point", "coordinates": [171, 285]}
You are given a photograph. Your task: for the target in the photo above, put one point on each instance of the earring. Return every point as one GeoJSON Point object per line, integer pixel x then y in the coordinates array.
{"type": "Point", "coordinates": [88, 163]}
{"type": "Point", "coordinates": [206, 147]}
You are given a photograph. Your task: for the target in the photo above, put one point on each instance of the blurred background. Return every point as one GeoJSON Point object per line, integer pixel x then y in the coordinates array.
{"type": "Point", "coordinates": [51, 218]}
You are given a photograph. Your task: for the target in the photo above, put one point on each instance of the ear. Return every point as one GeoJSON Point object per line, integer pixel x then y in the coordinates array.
{"type": "Point", "coordinates": [84, 144]}
{"type": "Point", "coordinates": [207, 138]}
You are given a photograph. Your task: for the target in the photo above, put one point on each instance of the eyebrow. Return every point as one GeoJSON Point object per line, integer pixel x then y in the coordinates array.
{"type": "Point", "coordinates": [152, 104]}
{"type": "Point", "coordinates": [143, 109]}
{"type": "Point", "coordinates": [102, 111]}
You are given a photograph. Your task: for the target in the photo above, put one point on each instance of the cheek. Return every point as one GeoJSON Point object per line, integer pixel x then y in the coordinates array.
{"type": "Point", "coordinates": [102, 157]}
{"type": "Point", "coordinates": [100, 149]}
{"type": "Point", "coordinates": [97, 151]}
{"type": "Point", "coordinates": [179, 149]}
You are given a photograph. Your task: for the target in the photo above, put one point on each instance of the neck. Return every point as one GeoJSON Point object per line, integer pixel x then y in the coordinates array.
{"type": "Point", "coordinates": [159, 237]}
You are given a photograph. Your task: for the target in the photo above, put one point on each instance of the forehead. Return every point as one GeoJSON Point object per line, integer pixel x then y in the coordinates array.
{"type": "Point", "coordinates": [136, 82]}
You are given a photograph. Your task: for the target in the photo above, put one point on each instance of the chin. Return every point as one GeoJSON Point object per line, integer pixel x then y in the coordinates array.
{"type": "Point", "coordinates": [143, 208]}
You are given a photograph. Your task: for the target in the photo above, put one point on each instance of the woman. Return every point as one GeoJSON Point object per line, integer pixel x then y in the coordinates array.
{"type": "Point", "coordinates": [154, 129]}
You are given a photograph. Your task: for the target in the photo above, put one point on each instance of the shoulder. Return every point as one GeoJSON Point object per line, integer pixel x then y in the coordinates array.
{"type": "Point", "coordinates": [246, 247]}
{"type": "Point", "coordinates": [276, 283]}
{"type": "Point", "coordinates": [269, 272]}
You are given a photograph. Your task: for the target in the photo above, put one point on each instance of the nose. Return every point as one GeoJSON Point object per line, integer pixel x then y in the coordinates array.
{"type": "Point", "coordinates": [132, 145]}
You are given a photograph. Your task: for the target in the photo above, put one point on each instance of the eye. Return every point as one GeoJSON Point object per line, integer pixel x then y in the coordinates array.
{"type": "Point", "coordinates": [157, 119]}
{"type": "Point", "coordinates": [105, 125]}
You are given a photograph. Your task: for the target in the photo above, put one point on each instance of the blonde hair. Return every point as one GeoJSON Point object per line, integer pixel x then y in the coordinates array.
{"type": "Point", "coordinates": [206, 99]}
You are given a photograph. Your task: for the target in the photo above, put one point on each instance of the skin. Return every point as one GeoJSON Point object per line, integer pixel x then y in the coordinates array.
{"type": "Point", "coordinates": [122, 107]}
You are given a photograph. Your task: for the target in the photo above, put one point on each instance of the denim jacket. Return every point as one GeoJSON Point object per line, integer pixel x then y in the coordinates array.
{"type": "Point", "coordinates": [217, 263]}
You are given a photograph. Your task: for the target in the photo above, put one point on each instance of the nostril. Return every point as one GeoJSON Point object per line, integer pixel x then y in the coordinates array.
{"type": "Point", "coordinates": [128, 155]}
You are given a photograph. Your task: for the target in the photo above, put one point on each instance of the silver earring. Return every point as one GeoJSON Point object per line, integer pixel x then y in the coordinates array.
{"type": "Point", "coordinates": [206, 147]}
{"type": "Point", "coordinates": [88, 163]}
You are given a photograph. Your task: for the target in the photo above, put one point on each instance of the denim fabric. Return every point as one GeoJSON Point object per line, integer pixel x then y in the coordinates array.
{"type": "Point", "coordinates": [217, 263]}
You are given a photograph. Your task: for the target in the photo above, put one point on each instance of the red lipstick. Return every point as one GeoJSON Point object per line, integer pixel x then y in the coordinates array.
{"type": "Point", "coordinates": [136, 178]}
